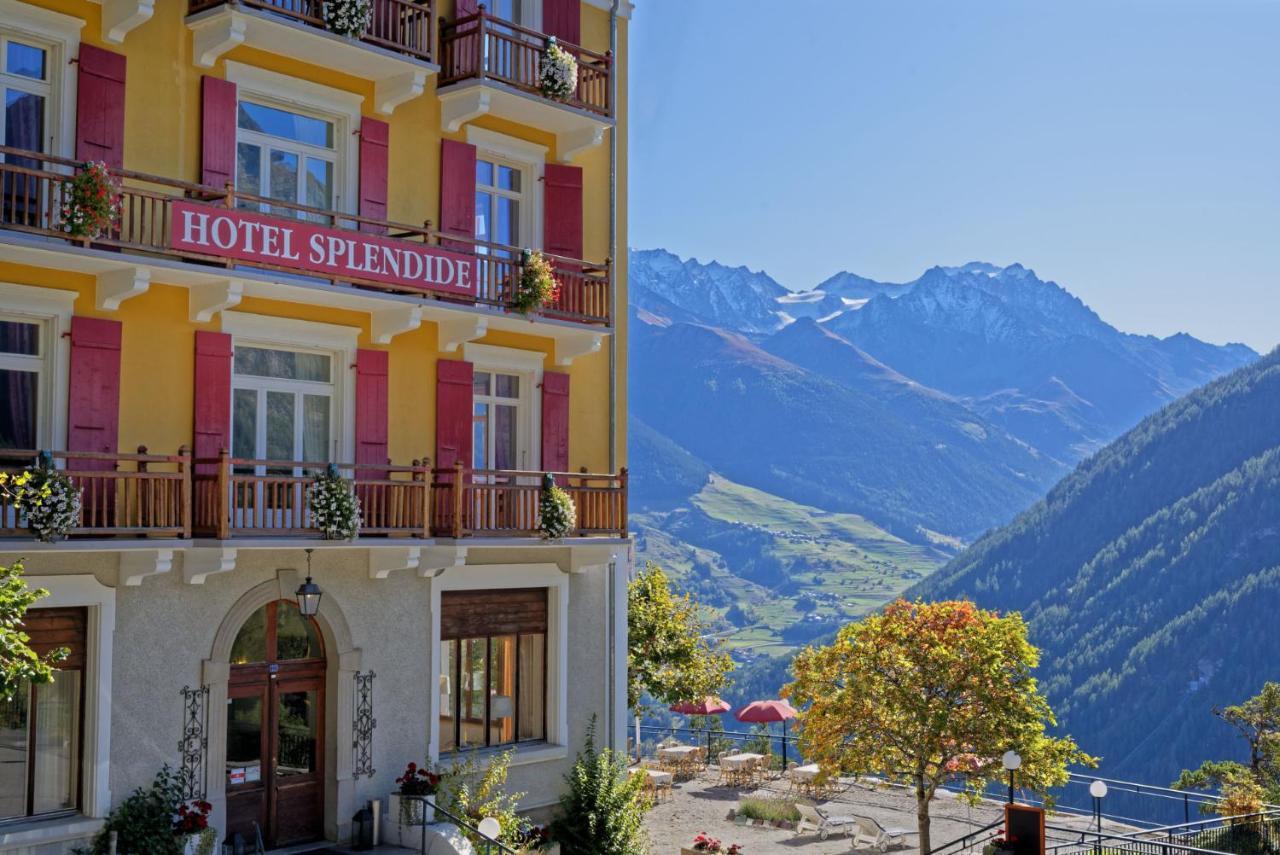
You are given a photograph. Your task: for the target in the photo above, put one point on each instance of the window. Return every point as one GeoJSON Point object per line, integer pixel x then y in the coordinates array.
{"type": "Point", "coordinates": [22, 371]}
{"type": "Point", "coordinates": [286, 155]}
{"type": "Point", "coordinates": [26, 71]}
{"type": "Point", "coordinates": [500, 202]}
{"type": "Point", "coordinates": [282, 405]}
{"type": "Point", "coordinates": [41, 726]}
{"type": "Point", "coordinates": [498, 440]}
{"type": "Point", "coordinates": [493, 675]}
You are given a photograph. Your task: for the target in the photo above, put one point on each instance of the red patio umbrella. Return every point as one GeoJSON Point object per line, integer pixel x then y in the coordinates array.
{"type": "Point", "coordinates": [710, 705]}
{"type": "Point", "coordinates": [764, 712]}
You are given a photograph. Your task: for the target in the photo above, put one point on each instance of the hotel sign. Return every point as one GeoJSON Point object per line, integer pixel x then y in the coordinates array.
{"type": "Point", "coordinates": [311, 248]}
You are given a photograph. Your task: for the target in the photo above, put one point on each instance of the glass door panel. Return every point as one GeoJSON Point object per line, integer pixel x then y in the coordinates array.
{"type": "Point", "coordinates": [15, 728]}
{"type": "Point", "coordinates": [297, 732]}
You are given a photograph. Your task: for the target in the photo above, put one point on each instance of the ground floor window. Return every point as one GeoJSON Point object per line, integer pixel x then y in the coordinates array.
{"type": "Point", "coordinates": [41, 726]}
{"type": "Point", "coordinates": [493, 674]}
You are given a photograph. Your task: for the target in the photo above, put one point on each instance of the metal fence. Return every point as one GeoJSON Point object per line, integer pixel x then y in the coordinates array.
{"type": "Point", "coordinates": [783, 749]}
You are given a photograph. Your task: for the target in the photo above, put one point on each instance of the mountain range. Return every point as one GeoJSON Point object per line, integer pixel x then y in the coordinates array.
{"type": "Point", "coordinates": [1150, 578]}
{"type": "Point", "coordinates": [930, 410]}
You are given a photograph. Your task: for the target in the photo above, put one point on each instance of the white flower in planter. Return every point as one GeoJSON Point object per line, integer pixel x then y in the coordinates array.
{"type": "Point", "coordinates": [558, 72]}
{"type": "Point", "coordinates": [348, 18]}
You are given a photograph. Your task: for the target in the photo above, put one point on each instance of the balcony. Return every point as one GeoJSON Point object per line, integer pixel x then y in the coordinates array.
{"type": "Point", "coordinates": [490, 66]}
{"type": "Point", "coordinates": [229, 499]}
{"type": "Point", "coordinates": [130, 495]}
{"type": "Point", "coordinates": [236, 497]}
{"type": "Point", "coordinates": [500, 503]}
{"type": "Point", "coordinates": [162, 217]}
{"type": "Point", "coordinates": [396, 51]}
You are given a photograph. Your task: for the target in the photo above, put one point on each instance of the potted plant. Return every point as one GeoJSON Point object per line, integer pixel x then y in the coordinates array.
{"type": "Point", "coordinates": [537, 838]}
{"type": "Point", "coordinates": [335, 507]}
{"type": "Point", "coordinates": [192, 828]}
{"type": "Point", "coordinates": [537, 286]}
{"type": "Point", "coordinates": [706, 843]}
{"type": "Point", "coordinates": [45, 498]}
{"type": "Point", "coordinates": [1001, 844]}
{"type": "Point", "coordinates": [557, 72]}
{"type": "Point", "coordinates": [406, 815]}
{"type": "Point", "coordinates": [555, 507]}
{"type": "Point", "coordinates": [91, 201]}
{"type": "Point", "coordinates": [348, 18]}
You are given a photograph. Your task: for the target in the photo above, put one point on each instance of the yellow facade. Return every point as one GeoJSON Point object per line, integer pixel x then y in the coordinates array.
{"type": "Point", "coordinates": [162, 138]}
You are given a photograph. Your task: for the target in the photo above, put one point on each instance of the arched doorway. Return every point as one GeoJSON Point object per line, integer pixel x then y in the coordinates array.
{"type": "Point", "coordinates": [275, 727]}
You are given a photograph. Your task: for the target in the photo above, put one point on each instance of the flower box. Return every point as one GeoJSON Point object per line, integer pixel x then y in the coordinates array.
{"type": "Point", "coordinates": [403, 821]}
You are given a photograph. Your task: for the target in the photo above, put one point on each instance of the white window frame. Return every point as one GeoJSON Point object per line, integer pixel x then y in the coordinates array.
{"type": "Point", "coordinates": [498, 577]}
{"type": "Point", "coordinates": [339, 107]}
{"type": "Point", "coordinates": [337, 342]}
{"type": "Point", "coordinates": [531, 17]}
{"type": "Point", "coordinates": [262, 386]}
{"type": "Point", "coordinates": [59, 34]}
{"type": "Point", "coordinates": [267, 143]}
{"type": "Point", "coordinates": [51, 309]}
{"type": "Point", "coordinates": [526, 156]}
{"type": "Point", "coordinates": [528, 366]}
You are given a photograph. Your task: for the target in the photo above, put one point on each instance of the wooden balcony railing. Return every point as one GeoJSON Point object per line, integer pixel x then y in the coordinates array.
{"type": "Point", "coordinates": [403, 26]}
{"type": "Point", "coordinates": [237, 497]}
{"type": "Point", "coordinates": [120, 494]}
{"type": "Point", "coordinates": [503, 503]}
{"type": "Point", "coordinates": [485, 47]}
{"type": "Point", "coordinates": [31, 189]}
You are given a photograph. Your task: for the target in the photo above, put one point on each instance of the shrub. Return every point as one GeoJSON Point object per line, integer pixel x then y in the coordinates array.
{"type": "Point", "coordinates": [558, 74]}
{"type": "Point", "coordinates": [769, 810]}
{"type": "Point", "coordinates": [46, 498]}
{"type": "Point", "coordinates": [603, 811]}
{"type": "Point", "coordinates": [471, 794]}
{"type": "Point", "coordinates": [91, 201]}
{"type": "Point", "coordinates": [144, 822]}
{"type": "Point", "coordinates": [347, 17]}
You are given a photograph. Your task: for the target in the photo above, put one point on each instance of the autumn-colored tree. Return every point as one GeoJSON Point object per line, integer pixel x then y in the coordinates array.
{"type": "Point", "coordinates": [923, 693]}
{"type": "Point", "coordinates": [670, 655]}
{"type": "Point", "coordinates": [1241, 788]}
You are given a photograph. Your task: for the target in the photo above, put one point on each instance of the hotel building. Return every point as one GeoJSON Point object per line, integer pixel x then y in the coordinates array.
{"type": "Point", "coordinates": [316, 262]}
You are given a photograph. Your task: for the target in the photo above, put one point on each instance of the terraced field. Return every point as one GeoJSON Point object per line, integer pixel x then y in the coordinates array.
{"type": "Point", "coordinates": [779, 572]}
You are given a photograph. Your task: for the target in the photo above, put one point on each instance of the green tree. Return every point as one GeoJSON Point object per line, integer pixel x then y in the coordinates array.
{"type": "Point", "coordinates": [473, 794]}
{"type": "Point", "coordinates": [925, 692]}
{"type": "Point", "coordinates": [1243, 788]}
{"type": "Point", "coordinates": [20, 666]}
{"type": "Point", "coordinates": [602, 813]}
{"type": "Point", "coordinates": [670, 655]}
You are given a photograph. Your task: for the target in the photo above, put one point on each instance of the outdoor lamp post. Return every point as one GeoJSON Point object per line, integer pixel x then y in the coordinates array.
{"type": "Point", "coordinates": [1098, 789]}
{"type": "Point", "coordinates": [308, 593]}
{"type": "Point", "coordinates": [1012, 762]}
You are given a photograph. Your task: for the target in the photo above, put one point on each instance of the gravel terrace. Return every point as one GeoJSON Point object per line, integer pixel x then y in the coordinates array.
{"type": "Point", "coordinates": [698, 805]}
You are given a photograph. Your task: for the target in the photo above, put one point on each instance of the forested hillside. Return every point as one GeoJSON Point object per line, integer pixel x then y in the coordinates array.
{"type": "Point", "coordinates": [1151, 577]}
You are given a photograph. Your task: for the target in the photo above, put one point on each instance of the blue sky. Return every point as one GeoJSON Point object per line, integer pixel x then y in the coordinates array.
{"type": "Point", "coordinates": [1128, 149]}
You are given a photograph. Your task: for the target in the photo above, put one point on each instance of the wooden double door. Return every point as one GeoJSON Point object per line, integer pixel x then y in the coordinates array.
{"type": "Point", "coordinates": [275, 746]}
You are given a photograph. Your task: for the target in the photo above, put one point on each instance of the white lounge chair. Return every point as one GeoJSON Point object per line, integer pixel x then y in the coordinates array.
{"type": "Point", "coordinates": [869, 832]}
{"type": "Point", "coordinates": [825, 824]}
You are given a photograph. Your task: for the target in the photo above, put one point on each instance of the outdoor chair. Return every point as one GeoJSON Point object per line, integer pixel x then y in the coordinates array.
{"type": "Point", "coordinates": [725, 776]}
{"type": "Point", "coordinates": [791, 778]}
{"type": "Point", "coordinates": [869, 832]}
{"type": "Point", "coordinates": [814, 818]}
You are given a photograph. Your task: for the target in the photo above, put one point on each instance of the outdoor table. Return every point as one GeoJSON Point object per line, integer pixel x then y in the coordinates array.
{"type": "Point", "coordinates": [805, 774]}
{"type": "Point", "coordinates": [657, 779]}
{"type": "Point", "coordinates": [740, 765]}
{"type": "Point", "coordinates": [680, 757]}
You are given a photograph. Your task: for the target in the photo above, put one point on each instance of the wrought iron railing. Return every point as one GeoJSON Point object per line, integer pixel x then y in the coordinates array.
{"type": "Point", "coordinates": [480, 842]}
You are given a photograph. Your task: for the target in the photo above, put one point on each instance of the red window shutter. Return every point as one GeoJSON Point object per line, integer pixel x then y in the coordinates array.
{"type": "Point", "coordinates": [217, 132]}
{"type": "Point", "coordinates": [453, 412]}
{"type": "Point", "coordinates": [458, 191]}
{"type": "Point", "coordinates": [467, 8]}
{"type": "Point", "coordinates": [371, 407]}
{"type": "Point", "coordinates": [93, 391]}
{"type": "Point", "coordinates": [100, 106]}
{"type": "Point", "coordinates": [212, 426]}
{"type": "Point", "coordinates": [374, 136]}
{"type": "Point", "coordinates": [563, 19]}
{"type": "Point", "coordinates": [555, 422]}
{"type": "Point", "coordinates": [562, 199]}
